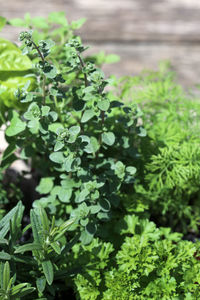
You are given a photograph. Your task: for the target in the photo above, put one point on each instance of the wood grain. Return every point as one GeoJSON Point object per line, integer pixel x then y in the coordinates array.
{"type": "Point", "coordinates": [142, 32]}
{"type": "Point", "coordinates": [121, 20]}
{"type": "Point", "coordinates": [184, 58]}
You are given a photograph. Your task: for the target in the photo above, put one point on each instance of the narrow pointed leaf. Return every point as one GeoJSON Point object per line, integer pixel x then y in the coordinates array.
{"type": "Point", "coordinates": [44, 219]}
{"type": "Point", "coordinates": [48, 271]}
{"type": "Point", "coordinates": [28, 247]}
{"type": "Point", "coordinates": [36, 228]}
{"type": "Point", "coordinates": [56, 247]}
{"type": "Point", "coordinates": [6, 275]}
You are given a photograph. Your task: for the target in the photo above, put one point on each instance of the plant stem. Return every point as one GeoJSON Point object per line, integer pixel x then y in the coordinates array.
{"type": "Point", "coordinates": [39, 52]}
{"type": "Point", "coordinates": [44, 77]}
{"type": "Point", "coordinates": [82, 66]}
{"type": "Point", "coordinates": [58, 110]}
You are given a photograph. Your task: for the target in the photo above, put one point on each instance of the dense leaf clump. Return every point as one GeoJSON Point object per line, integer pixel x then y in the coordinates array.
{"type": "Point", "coordinates": [169, 165]}
{"type": "Point", "coordinates": [149, 263]}
{"type": "Point", "coordinates": [112, 174]}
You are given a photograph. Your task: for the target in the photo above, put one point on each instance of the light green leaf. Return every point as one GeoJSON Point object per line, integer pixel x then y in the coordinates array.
{"type": "Point", "coordinates": [50, 71]}
{"type": "Point", "coordinates": [16, 126]}
{"type": "Point", "coordinates": [45, 185]}
{"type": "Point", "coordinates": [58, 145]}
{"type": "Point", "coordinates": [58, 18]}
{"type": "Point", "coordinates": [56, 247]}
{"type": "Point", "coordinates": [55, 126]}
{"type": "Point", "coordinates": [65, 195]}
{"type": "Point", "coordinates": [87, 115]}
{"type": "Point", "coordinates": [131, 170]}
{"type": "Point", "coordinates": [2, 22]}
{"type": "Point", "coordinates": [5, 256]}
{"type": "Point", "coordinates": [39, 22]}
{"type": "Point", "coordinates": [108, 138]}
{"type": "Point", "coordinates": [21, 289]}
{"type": "Point", "coordinates": [141, 131]}
{"type": "Point", "coordinates": [112, 58]}
{"type": "Point", "coordinates": [103, 104]}
{"type": "Point", "coordinates": [82, 196]}
{"type": "Point", "coordinates": [77, 24]}
{"type": "Point", "coordinates": [95, 209]}
{"type": "Point", "coordinates": [92, 146]}
{"type": "Point", "coordinates": [28, 247]}
{"type": "Point", "coordinates": [18, 22]}
{"type": "Point", "coordinates": [45, 110]}
{"type": "Point", "coordinates": [74, 130]}
{"type": "Point", "coordinates": [11, 58]}
{"type": "Point", "coordinates": [57, 157]}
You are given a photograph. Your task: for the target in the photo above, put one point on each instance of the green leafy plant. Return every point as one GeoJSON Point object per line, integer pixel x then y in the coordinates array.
{"type": "Point", "coordinates": [10, 291]}
{"type": "Point", "coordinates": [169, 165]}
{"type": "Point", "coordinates": [84, 140]}
{"type": "Point", "coordinates": [45, 258]}
{"type": "Point", "coordinates": [88, 141]}
{"type": "Point", "coordinates": [149, 263]}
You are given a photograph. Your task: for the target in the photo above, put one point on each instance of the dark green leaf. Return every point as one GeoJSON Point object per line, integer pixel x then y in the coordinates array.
{"type": "Point", "coordinates": [28, 247]}
{"type": "Point", "coordinates": [45, 220]}
{"type": "Point", "coordinates": [91, 228]}
{"type": "Point", "coordinates": [6, 275]}
{"type": "Point", "coordinates": [41, 283]}
{"type": "Point", "coordinates": [36, 228]}
{"type": "Point", "coordinates": [104, 204]}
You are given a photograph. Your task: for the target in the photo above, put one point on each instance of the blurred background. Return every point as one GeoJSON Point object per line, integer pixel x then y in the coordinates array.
{"type": "Point", "coordinates": [141, 32]}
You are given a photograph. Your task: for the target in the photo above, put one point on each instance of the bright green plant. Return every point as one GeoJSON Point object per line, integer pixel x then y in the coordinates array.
{"type": "Point", "coordinates": [150, 263]}
{"type": "Point", "coordinates": [88, 150]}
{"type": "Point", "coordinates": [168, 182]}
{"type": "Point", "coordinates": [86, 141]}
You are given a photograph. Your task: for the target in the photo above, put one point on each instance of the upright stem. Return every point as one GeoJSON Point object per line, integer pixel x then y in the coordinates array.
{"type": "Point", "coordinates": [39, 52]}
{"type": "Point", "coordinates": [44, 77]}
{"type": "Point", "coordinates": [86, 83]}
{"type": "Point", "coordinates": [82, 66]}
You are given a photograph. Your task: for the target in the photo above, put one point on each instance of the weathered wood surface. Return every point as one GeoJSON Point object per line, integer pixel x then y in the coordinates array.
{"type": "Point", "coordinates": [142, 32]}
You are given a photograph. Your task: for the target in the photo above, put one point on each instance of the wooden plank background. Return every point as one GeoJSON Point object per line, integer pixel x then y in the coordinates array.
{"type": "Point", "coordinates": [142, 32]}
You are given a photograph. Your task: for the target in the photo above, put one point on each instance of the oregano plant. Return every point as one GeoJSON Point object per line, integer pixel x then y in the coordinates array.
{"type": "Point", "coordinates": [84, 139]}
